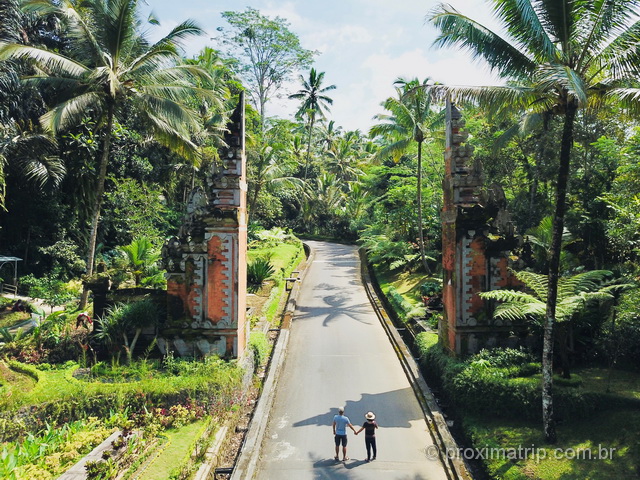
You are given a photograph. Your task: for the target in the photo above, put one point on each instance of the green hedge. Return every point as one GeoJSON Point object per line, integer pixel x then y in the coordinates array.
{"type": "Point", "coordinates": [477, 386]}
{"type": "Point", "coordinates": [216, 392]}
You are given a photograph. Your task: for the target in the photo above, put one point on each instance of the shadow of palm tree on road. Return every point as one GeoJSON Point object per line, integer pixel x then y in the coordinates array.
{"type": "Point", "coordinates": [390, 408]}
{"type": "Point", "coordinates": [336, 307]}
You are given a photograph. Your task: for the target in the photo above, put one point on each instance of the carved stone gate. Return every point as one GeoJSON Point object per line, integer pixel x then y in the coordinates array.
{"type": "Point", "coordinates": [477, 238]}
{"type": "Point", "coordinates": [206, 261]}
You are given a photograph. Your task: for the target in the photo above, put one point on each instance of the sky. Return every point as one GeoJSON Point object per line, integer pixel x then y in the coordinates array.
{"type": "Point", "coordinates": [364, 45]}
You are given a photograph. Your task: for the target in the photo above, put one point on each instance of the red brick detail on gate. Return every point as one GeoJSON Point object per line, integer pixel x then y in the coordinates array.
{"type": "Point", "coordinates": [218, 280]}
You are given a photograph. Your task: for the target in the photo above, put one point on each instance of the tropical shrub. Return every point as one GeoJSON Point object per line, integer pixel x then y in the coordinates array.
{"type": "Point", "coordinates": [504, 383]}
{"type": "Point", "coordinates": [53, 291]}
{"type": "Point", "coordinates": [122, 324]}
{"type": "Point", "coordinates": [260, 347]}
{"type": "Point", "coordinates": [403, 307]}
{"type": "Point", "coordinates": [142, 258]}
{"type": "Point", "coordinates": [257, 272]}
{"type": "Point", "coordinates": [430, 288]}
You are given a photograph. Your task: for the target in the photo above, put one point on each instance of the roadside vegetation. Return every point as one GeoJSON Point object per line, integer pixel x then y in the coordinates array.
{"type": "Point", "coordinates": [66, 386]}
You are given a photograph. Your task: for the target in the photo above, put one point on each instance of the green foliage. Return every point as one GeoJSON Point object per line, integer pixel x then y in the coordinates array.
{"type": "Point", "coordinates": [260, 347]}
{"type": "Point", "coordinates": [383, 251]}
{"type": "Point", "coordinates": [142, 259]}
{"type": "Point", "coordinates": [540, 238]}
{"type": "Point", "coordinates": [53, 291]}
{"type": "Point", "coordinates": [403, 307]}
{"type": "Point", "coordinates": [431, 288]}
{"type": "Point", "coordinates": [50, 451]}
{"type": "Point", "coordinates": [573, 294]}
{"type": "Point", "coordinates": [271, 238]}
{"type": "Point", "coordinates": [136, 210]}
{"type": "Point", "coordinates": [504, 357]}
{"type": "Point", "coordinates": [505, 383]}
{"type": "Point", "coordinates": [211, 385]}
{"type": "Point", "coordinates": [258, 271]}
{"type": "Point", "coordinates": [65, 258]}
{"type": "Point", "coordinates": [620, 336]}
{"type": "Point", "coordinates": [121, 325]}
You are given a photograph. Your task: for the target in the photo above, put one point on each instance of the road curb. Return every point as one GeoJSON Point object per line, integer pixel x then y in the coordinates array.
{"type": "Point", "coordinates": [245, 467]}
{"type": "Point", "coordinates": [455, 467]}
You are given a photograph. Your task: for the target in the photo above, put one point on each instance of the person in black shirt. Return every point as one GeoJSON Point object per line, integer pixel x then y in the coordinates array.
{"type": "Point", "coordinates": [369, 428]}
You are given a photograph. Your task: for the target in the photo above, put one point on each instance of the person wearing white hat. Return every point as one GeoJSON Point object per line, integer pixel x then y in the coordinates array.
{"type": "Point", "coordinates": [369, 428]}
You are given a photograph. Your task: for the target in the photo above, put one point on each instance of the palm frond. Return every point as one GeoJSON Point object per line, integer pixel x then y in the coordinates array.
{"type": "Point", "coordinates": [629, 98]}
{"type": "Point", "coordinates": [459, 30]}
{"type": "Point", "coordinates": [535, 282]}
{"type": "Point", "coordinates": [70, 112]}
{"type": "Point", "coordinates": [511, 296]}
{"type": "Point", "coordinates": [35, 156]}
{"type": "Point", "coordinates": [554, 77]}
{"type": "Point", "coordinates": [583, 282]}
{"type": "Point", "coordinates": [493, 98]}
{"type": "Point", "coordinates": [609, 29]}
{"type": "Point", "coordinates": [51, 62]}
{"type": "Point", "coordinates": [525, 26]}
{"type": "Point", "coordinates": [514, 311]}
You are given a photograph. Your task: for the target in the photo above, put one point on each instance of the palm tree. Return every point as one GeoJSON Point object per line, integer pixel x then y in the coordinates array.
{"type": "Point", "coordinates": [411, 116]}
{"type": "Point", "coordinates": [314, 102]}
{"type": "Point", "coordinates": [270, 170]}
{"type": "Point", "coordinates": [561, 57]}
{"type": "Point", "coordinates": [141, 255]}
{"type": "Point", "coordinates": [330, 133]}
{"type": "Point", "coordinates": [342, 160]}
{"type": "Point", "coordinates": [111, 66]}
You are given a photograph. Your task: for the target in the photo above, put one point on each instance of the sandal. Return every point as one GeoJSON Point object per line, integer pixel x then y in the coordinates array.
{"type": "Point", "coordinates": [345, 459]}
{"type": "Point", "coordinates": [336, 458]}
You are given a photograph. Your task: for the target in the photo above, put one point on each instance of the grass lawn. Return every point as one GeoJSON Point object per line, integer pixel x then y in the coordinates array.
{"type": "Point", "coordinates": [604, 447]}
{"type": "Point", "coordinates": [11, 381]}
{"type": "Point", "coordinates": [284, 256]}
{"type": "Point", "coordinates": [623, 383]}
{"type": "Point", "coordinates": [59, 385]}
{"type": "Point", "coordinates": [175, 449]}
{"type": "Point", "coordinates": [9, 319]}
{"type": "Point", "coordinates": [407, 284]}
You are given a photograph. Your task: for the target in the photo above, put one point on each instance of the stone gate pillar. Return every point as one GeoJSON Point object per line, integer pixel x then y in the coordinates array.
{"type": "Point", "coordinates": [477, 237]}
{"type": "Point", "coordinates": [206, 261]}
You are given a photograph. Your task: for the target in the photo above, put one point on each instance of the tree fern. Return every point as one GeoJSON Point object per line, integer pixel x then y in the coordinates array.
{"type": "Point", "coordinates": [573, 294]}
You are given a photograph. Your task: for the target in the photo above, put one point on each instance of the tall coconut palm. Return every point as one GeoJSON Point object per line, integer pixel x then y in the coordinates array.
{"type": "Point", "coordinates": [342, 161]}
{"type": "Point", "coordinates": [111, 66]}
{"type": "Point", "coordinates": [269, 170]}
{"type": "Point", "coordinates": [411, 117]}
{"type": "Point", "coordinates": [561, 56]}
{"type": "Point", "coordinates": [314, 104]}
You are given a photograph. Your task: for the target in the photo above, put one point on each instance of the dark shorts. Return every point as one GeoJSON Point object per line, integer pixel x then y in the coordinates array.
{"type": "Point", "coordinates": [341, 439]}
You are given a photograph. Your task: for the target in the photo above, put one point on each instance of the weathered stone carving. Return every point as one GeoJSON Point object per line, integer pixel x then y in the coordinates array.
{"type": "Point", "coordinates": [477, 237]}
{"type": "Point", "coordinates": [206, 261]}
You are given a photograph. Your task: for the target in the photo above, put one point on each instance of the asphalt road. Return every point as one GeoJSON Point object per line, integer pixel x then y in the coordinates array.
{"type": "Point", "coordinates": [339, 355]}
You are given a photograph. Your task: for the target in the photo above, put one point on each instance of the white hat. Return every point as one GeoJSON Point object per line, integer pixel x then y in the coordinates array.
{"type": "Point", "coordinates": [370, 416]}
